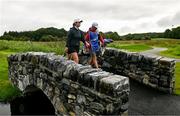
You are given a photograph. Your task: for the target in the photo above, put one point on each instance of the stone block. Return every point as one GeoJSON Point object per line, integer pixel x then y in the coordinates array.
{"type": "Point", "coordinates": [83, 78]}
{"type": "Point", "coordinates": [81, 99]}
{"type": "Point", "coordinates": [110, 108]}
{"type": "Point", "coordinates": [134, 58]}
{"type": "Point", "coordinates": [153, 80]}
{"type": "Point", "coordinates": [150, 60]}
{"type": "Point", "coordinates": [70, 96]}
{"type": "Point", "coordinates": [112, 84]}
{"type": "Point", "coordinates": [93, 78]}
{"type": "Point", "coordinates": [146, 79]}
{"type": "Point", "coordinates": [166, 90]}
{"type": "Point", "coordinates": [97, 107]}
{"type": "Point", "coordinates": [106, 65]}
{"type": "Point", "coordinates": [166, 62]}
{"type": "Point", "coordinates": [69, 66]}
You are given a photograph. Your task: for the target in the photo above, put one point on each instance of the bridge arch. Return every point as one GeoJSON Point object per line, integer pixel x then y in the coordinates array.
{"type": "Point", "coordinates": [32, 102]}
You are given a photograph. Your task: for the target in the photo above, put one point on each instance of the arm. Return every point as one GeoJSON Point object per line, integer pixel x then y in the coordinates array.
{"type": "Point", "coordinates": [82, 37]}
{"type": "Point", "coordinates": [68, 41]}
{"type": "Point", "coordinates": [68, 38]}
{"type": "Point", "coordinates": [101, 39]}
{"type": "Point", "coordinates": [87, 36]}
{"type": "Point", "coordinates": [87, 40]}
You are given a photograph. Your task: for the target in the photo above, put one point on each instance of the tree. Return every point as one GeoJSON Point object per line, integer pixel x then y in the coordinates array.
{"type": "Point", "coordinates": [112, 35]}
{"type": "Point", "coordinates": [39, 34]}
{"type": "Point", "coordinates": [167, 33]}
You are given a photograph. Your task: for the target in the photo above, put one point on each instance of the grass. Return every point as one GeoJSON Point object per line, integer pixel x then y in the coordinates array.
{"type": "Point", "coordinates": [132, 48]}
{"type": "Point", "coordinates": [173, 52]}
{"type": "Point", "coordinates": [20, 46]}
{"type": "Point", "coordinates": [177, 81]}
{"type": "Point", "coordinates": [3, 64]}
{"type": "Point", "coordinates": [7, 91]}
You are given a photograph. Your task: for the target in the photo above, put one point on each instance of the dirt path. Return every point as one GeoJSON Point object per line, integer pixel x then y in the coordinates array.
{"type": "Point", "coordinates": [156, 51]}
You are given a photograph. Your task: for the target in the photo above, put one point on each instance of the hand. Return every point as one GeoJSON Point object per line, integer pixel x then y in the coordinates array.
{"type": "Point", "coordinates": [87, 44]}
{"type": "Point", "coordinates": [101, 44]}
{"type": "Point", "coordinates": [66, 50]}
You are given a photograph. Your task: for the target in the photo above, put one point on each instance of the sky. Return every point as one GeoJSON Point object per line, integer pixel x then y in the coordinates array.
{"type": "Point", "coordinates": [122, 16]}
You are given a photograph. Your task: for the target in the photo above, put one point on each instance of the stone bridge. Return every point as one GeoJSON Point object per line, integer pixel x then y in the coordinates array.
{"type": "Point", "coordinates": [67, 88]}
{"type": "Point", "coordinates": [75, 89]}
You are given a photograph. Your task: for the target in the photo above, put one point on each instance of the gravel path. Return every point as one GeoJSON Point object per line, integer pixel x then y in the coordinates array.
{"type": "Point", "coordinates": [156, 51]}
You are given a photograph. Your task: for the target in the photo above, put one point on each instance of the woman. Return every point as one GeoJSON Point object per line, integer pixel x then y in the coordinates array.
{"type": "Point", "coordinates": [93, 37]}
{"type": "Point", "coordinates": [75, 35]}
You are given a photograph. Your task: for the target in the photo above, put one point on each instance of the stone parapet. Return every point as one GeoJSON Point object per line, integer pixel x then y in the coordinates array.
{"type": "Point", "coordinates": [151, 70]}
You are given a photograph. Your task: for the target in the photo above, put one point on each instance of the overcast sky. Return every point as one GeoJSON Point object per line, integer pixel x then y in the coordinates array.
{"type": "Point", "coordinates": [122, 16]}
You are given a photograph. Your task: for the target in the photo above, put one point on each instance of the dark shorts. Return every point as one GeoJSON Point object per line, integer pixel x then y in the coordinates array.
{"type": "Point", "coordinates": [73, 49]}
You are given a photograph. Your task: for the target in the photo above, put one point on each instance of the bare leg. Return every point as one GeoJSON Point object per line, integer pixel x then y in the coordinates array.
{"type": "Point", "coordinates": [95, 61]}
{"type": "Point", "coordinates": [74, 56]}
{"type": "Point", "coordinates": [69, 56]}
{"type": "Point", "coordinates": [90, 61]}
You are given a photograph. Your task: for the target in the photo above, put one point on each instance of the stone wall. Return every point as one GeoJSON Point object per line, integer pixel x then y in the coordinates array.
{"type": "Point", "coordinates": [72, 88]}
{"type": "Point", "coordinates": [154, 71]}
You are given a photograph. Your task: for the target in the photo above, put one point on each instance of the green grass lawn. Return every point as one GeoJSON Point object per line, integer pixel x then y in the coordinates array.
{"type": "Point", "coordinates": [173, 52]}
{"type": "Point", "coordinates": [132, 48]}
{"type": "Point", "coordinates": [20, 46]}
{"type": "Point", "coordinates": [7, 91]}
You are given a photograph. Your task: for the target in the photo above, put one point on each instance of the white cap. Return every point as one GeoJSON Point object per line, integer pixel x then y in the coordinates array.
{"type": "Point", "coordinates": [94, 24]}
{"type": "Point", "coordinates": [77, 20]}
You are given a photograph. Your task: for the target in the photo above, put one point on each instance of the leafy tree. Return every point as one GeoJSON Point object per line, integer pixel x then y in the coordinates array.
{"type": "Point", "coordinates": [42, 33]}
{"type": "Point", "coordinates": [112, 35]}
{"type": "Point", "coordinates": [173, 33]}
{"type": "Point", "coordinates": [167, 33]}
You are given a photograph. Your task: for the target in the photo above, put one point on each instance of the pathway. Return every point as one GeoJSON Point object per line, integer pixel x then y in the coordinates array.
{"type": "Point", "coordinates": [156, 51]}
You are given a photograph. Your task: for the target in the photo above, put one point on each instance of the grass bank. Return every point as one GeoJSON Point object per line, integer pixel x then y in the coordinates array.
{"type": "Point", "coordinates": [131, 47]}
{"type": "Point", "coordinates": [177, 81]}
{"type": "Point", "coordinates": [7, 91]}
